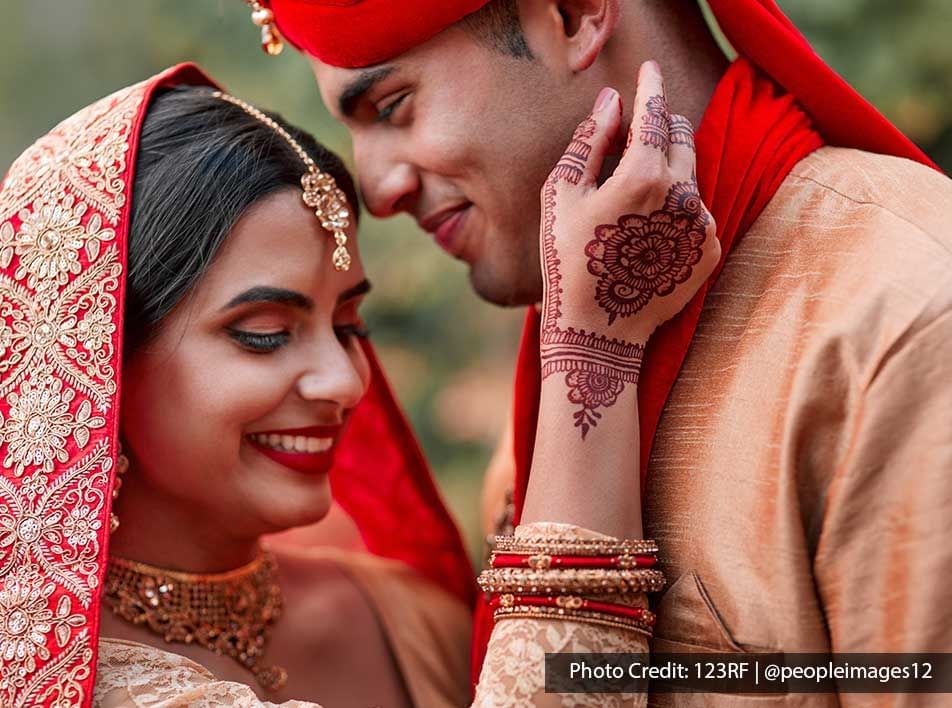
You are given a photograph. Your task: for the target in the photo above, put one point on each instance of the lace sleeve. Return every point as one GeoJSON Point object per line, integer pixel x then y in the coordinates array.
{"type": "Point", "coordinates": [131, 675]}
{"type": "Point", "coordinates": [513, 673]}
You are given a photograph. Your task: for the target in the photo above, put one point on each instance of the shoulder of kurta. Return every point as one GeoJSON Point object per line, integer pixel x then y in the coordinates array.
{"type": "Point", "coordinates": [864, 243]}
{"type": "Point", "coordinates": [918, 198]}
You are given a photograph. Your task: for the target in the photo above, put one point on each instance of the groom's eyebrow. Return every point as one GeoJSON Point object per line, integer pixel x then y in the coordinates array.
{"type": "Point", "coordinates": [355, 90]}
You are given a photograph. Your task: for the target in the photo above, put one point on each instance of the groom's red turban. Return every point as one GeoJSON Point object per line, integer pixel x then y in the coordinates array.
{"type": "Point", "coordinates": [355, 33]}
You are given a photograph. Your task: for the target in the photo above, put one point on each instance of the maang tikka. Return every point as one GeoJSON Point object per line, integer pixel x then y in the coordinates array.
{"type": "Point", "coordinates": [321, 192]}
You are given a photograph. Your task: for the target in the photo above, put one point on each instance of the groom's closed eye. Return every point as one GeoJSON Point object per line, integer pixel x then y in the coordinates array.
{"type": "Point", "coordinates": [355, 90]}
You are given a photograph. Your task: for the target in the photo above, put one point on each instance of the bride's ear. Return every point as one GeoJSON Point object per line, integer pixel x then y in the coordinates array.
{"type": "Point", "coordinates": [587, 26]}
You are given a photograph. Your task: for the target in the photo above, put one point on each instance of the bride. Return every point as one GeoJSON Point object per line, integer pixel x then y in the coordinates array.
{"type": "Point", "coordinates": [185, 372]}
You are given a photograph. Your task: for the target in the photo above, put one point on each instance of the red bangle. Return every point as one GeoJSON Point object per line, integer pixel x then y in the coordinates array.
{"type": "Point", "coordinates": [572, 602]}
{"type": "Point", "coordinates": [542, 561]}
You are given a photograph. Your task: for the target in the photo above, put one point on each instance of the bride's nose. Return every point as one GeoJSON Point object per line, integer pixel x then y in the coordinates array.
{"type": "Point", "coordinates": [335, 375]}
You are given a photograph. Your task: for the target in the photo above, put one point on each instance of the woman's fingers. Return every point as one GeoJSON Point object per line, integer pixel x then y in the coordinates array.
{"type": "Point", "coordinates": [650, 134]}
{"type": "Point", "coordinates": [681, 153]}
{"type": "Point", "coordinates": [582, 160]}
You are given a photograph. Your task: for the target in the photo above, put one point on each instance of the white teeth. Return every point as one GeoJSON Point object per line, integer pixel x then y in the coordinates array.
{"type": "Point", "coordinates": [293, 443]}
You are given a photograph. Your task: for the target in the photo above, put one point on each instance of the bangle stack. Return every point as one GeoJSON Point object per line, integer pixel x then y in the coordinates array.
{"type": "Point", "coordinates": [546, 577]}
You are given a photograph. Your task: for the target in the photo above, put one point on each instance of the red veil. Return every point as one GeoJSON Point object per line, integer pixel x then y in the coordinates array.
{"type": "Point", "coordinates": [64, 222]}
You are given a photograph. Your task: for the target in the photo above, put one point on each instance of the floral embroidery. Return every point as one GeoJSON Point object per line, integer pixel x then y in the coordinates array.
{"type": "Point", "coordinates": [46, 328]}
{"type": "Point", "coordinates": [85, 154]}
{"type": "Point", "coordinates": [7, 244]}
{"type": "Point", "coordinates": [60, 206]}
{"type": "Point", "coordinates": [40, 424]}
{"type": "Point", "coordinates": [81, 526]}
{"type": "Point", "coordinates": [27, 619]}
{"type": "Point", "coordinates": [51, 237]}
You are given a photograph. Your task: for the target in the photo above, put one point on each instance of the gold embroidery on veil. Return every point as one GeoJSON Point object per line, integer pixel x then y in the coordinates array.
{"type": "Point", "coordinates": [60, 206]}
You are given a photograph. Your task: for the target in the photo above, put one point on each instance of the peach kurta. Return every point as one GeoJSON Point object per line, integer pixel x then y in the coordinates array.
{"type": "Point", "coordinates": [800, 487]}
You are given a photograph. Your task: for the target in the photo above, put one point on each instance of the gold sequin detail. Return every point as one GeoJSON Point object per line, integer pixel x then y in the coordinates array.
{"type": "Point", "coordinates": [228, 613]}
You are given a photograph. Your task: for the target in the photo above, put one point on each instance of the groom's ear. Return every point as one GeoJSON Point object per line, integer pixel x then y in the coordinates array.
{"type": "Point", "coordinates": [587, 26]}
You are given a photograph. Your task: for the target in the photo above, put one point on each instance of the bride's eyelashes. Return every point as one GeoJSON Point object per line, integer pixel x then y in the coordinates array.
{"type": "Point", "coordinates": [356, 330]}
{"type": "Point", "coordinates": [267, 342]}
{"type": "Point", "coordinates": [259, 342]}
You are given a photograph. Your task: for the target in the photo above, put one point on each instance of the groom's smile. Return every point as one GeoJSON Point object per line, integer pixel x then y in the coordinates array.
{"type": "Point", "coordinates": [460, 137]}
{"type": "Point", "coordinates": [448, 228]}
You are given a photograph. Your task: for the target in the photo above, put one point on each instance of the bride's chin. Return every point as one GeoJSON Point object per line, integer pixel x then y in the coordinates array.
{"type": "Point", "coordinates": [285, 507]}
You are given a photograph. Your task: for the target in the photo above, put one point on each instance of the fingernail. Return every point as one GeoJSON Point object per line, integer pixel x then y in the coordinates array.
{"type": "Point", "coordinates": [605, 97]}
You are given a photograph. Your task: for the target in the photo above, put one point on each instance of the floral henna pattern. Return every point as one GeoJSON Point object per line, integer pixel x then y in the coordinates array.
{"type": "Point", "coordinates": [596, 368]}
{"type": "Point", "coordinates": [591, 391]}
{"type": "Point", "coordinates": [655, 130]}
{"type": "Point", "coordinates": [684, 197]}
{"type": "Point", "coordinates": [571, 165]}
{"type": "Point", "coordinates": [642, 257]}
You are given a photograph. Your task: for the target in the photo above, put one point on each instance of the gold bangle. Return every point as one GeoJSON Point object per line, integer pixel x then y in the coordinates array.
{"type": "Point", "coordinates": [553, 545]}
{"type": "Point", "coordinates": [554, 613]}
{"type": "Point", "coordinates": [570, 581]}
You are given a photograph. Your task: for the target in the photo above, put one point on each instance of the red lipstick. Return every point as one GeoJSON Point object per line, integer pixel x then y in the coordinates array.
{"type": "Point", "coordinates": [311, 461]}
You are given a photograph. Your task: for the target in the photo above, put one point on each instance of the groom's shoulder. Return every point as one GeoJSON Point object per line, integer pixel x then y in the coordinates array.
{"type": "Point", "coordinates": [865, 223]}
{"type": "Point", "coordinates": [873, 196]}
{"type": "Point", "coordinates": [856, 246]}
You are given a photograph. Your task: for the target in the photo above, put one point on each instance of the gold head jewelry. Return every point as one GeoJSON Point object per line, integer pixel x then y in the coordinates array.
{"type": "Point", "coordinates": [321, 192]}
{"type": "Point", "coordinates": [228, 613]}
{"type": "Point", "coordinates": [271, 41]}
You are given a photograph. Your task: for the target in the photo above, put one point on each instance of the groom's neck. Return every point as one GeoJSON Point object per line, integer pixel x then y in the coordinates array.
{"type": "Point", "coordinates": [675, 34]}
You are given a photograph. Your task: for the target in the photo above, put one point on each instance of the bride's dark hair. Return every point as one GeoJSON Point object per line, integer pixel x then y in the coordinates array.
{"type": "Point", "coordinates": [202, 162]}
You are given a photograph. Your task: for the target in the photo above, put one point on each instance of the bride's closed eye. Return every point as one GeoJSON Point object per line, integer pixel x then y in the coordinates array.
{"type": "Point", "coordinates": [348, 331]}
{"type": "Point", "coordinates": [259, 342]}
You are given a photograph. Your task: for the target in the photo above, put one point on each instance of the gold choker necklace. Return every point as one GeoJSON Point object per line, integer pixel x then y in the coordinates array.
{"type": "Point", "coordinates": [229, 613]}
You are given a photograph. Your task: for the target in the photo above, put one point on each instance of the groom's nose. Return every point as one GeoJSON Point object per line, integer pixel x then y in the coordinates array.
{"type": "Point", "coordinates": [389, 185]}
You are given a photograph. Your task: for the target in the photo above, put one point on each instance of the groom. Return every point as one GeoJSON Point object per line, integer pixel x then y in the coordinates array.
{"type": "Point", "coordinates": [799, 481]}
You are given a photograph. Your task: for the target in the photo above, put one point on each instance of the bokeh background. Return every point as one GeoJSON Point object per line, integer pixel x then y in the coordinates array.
{"type": "Point", "coordinates": [449, 355]}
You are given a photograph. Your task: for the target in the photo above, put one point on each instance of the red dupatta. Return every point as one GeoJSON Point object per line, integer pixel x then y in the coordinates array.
{"type": "Point", "coordinates": [65, 209]}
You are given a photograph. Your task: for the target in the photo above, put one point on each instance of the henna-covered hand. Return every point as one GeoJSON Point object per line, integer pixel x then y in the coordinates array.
{"type": "Point", "coordinates": [621, 258]}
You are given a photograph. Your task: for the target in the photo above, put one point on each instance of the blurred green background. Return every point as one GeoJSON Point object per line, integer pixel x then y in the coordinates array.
{"type": "Point", "coordinates": [449, 356]}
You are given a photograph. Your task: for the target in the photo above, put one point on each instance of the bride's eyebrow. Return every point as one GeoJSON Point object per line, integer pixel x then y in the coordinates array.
{"type": "Point", "coordinates": [362, 288]}
{"type": "Point", "coordinates": [355, 90]}
{"type": "Point", "coordinates": [267, 294]}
